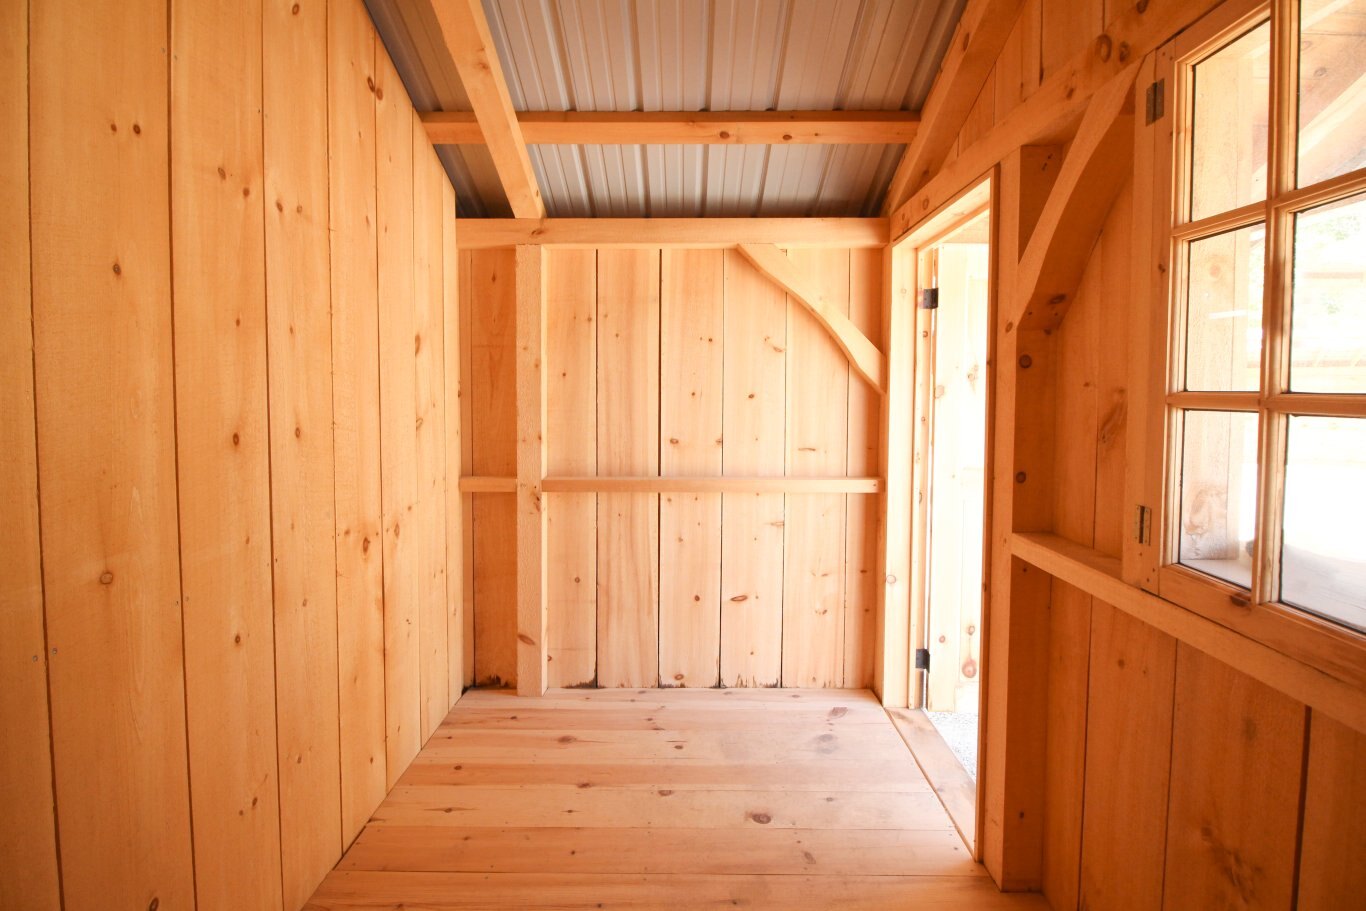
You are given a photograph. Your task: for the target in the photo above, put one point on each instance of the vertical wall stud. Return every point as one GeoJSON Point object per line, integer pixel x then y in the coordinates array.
{"type": "Point", "coordinates": [531, 513]}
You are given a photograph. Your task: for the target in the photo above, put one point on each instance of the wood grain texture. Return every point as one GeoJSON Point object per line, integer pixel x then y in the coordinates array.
{"type": "Point", "coordinates": [691, 356]}
{"type": "Point", "coordinates": [103, 379]}
{"type": "Point", "coordinates": [627, 437]}
{"type": "Point", "coordinates": [655, 233]}
{"type": "Point", "coordinates": [1335, 792]}
{"type": "Point", "coordinates": [493, 401]}
{"type": "Point", "coordinates": [356, 411]}
{"type": "Point", "coordinates": [532, 557]}
{"type": "Point", "coordinates": [571, 440]}
{"type": "Point", "coordinates": [223, 452]}
{"type": "Point", "coordinates": [398, 417]}
{"type": "Point", "coordinates": [429, 366]}
{"type": "Point", "coordinates": [1237, 760]}
{"type": "Point", "coordinates": [299, 348]}
{"type": "Point", "coordinates": [456, 406]}
{"type": "Point", "coordinates": [753, 421]}
{"type": "Point", "coordinates": [817, 440]}
{"type": "Point", "coordinates": [28, 841]}
{"type": "Point", "coordinates": [786, 823]}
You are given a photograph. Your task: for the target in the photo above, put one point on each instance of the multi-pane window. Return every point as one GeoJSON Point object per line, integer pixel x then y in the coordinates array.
{"type": "Point", "coordinates": [1266, 388]}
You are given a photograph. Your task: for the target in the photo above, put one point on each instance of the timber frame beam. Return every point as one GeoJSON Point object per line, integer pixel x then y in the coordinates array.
{"type": "Point", "coordinates": [867, 361]}
{"type": "Point", "coordinates": [694, 233]}
{"type": "Point", "coordinates": [465, 30]}
{"type": "Point", "coordinates": [686, 127]}
{"type": "Point", "coordinates": [1096, 166]}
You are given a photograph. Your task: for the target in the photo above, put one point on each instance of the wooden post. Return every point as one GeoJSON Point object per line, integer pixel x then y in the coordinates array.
{"type": "Point", "coordinates": [892, 657]}
{"type": "Point", "coordinates": [531, 513]}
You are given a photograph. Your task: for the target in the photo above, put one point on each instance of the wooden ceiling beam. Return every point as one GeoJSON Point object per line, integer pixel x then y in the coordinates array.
{"type": "Point", "coordinates": [466, 33]}
{"type": "Point", "coordinates": [686, 127]}
{"type": "Point", "coordinates": [1096, 166]}
{"type": "Point", "coordinates": [646, 233]}
{"type": "Point", "coordinates": [982, 32]}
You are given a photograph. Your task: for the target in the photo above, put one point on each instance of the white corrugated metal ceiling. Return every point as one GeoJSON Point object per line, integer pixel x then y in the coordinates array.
{"type": "Point", "coordinates": [685, 55]}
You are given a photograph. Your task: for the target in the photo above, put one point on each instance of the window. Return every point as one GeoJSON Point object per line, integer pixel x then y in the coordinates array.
{"type": "Point", "coordinates": [1264, 515]}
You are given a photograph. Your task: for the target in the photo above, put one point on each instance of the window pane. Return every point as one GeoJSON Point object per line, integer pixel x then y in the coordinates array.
{"type": "Point", "coordinates": [1224, 311]}
{"type": "Point", "coordinates": [1228, 154]}
{"type": "Point", "coordinates": [1328, 312]}
{"type": "Point", "coordinates": [1332, 88]}
{"type": "Point", "coordinates": [1323, 558]}
{"type": "Point", "coordinates": [1219, 494]}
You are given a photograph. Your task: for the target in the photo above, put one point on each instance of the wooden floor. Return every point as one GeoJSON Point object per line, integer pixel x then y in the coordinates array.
{"type": "Point", "coordinates": [642, 799]}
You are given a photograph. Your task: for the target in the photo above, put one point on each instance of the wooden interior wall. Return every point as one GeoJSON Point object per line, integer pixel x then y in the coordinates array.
{"type": "Point", "coordinates": [226, 411]}
{"type": "Point", "coordinates": [681, 363]}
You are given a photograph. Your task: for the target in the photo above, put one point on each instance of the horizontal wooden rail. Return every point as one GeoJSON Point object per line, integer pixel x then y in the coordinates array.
{"type": "Point", "coordinates": [1098, 576]}
{"type": "Point", "coordinates": [711, 485]}
{"type": "Point", "coordinates": [686, 127]}
{"type": "Point", "coordinates": [648, 233]}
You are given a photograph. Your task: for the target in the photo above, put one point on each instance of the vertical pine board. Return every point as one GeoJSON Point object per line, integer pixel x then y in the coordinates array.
{"type": "Point", "coordinates": [466, 464]}
{"type": "Point", "coordinates": [355, 411]}
{"type": "Point", "coordinates": [628, 444]}
{"type": "Point", "coordinates": [571, 440]}
{"type": "Point", "coordinates": [1331, 874]}
{"type": "Point", "coordinates": [531, 540]}
{"type": "Point", "coordinates": [1128, 756]}
{"type": "Point", "coordinates": [223, 450]}
{"type": "Point", "coordinates": [1068, 27]}
{"type": "Point", "coordinates": [754, 379]}
{"type": "Point", "coordinates": [1237, 762]}
{"type": "Point", "coordinates": [860, 542]}
{"type": "Point", "coordinates": [1112, 376]}
{"type": "Point", "coordinates": [817, 446]}
{"type": "Point", "coordinates": [493, 400]}
{"type": "Point", "coordinates": [690, 428]}
{"type": "Point", "coordinates": [398, 416]}
{"type": "Point", "coordinates": [299, 341]}
{"type": "Point", "coordinates": [1069, 626]}
{"type": "Point", "coordinates": [454, 419]}
{"type": "Point", "coordinates": [429, 341]}
{"type": "Point", "coordinates": [28, 846]}
{"type": "Point", "coordinates": [105, 429]}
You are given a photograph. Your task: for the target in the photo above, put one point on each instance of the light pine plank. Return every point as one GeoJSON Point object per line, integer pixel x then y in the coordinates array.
{"type": "Point", "coordinates": [398, 417]}
{"type": "Point", "coordinates": [817, 444]}
{"type": "Point", "coordinates": [299, 346]}
{"type": "Point", "coordinates": [355, 411]}
{"type": "Point", "coordinates": [872, 775]}
{"type": "Point", "coordinates": [861, 513]}
{"type": "Point", "coordinates": [223, 451]}
{"type": "Point", "coordinates": [430, 429]}
{"type": "Point", "coordinates": [627, 440]}
{"type": "Point", "coordinates": [531, 537]}
{"type": "Point", "coordinates": [493, 399]}
{"type": "Point", "coordinates": [690, 435]}
{"type": "Point", "coordinates": [1335, 793]}
{"type": "Point", "coordinates": [1237, 760]}
{"type": "Point", "coordinates": [1069, 626]}
{"type": "Point", "coordinates": [103, 373]}
{"type": "Point", "coordinates": [466, 270]}
{"type": "Point", "coordinates": [754, 380]}
{"type": "Point", "coordinates": [455, 444]}
{"type": "Point", "coordinates": [28, 842]}
{"type": "Point", "coordinates": [1112, 521]}
{"type": "Point", "coordinates": [1128, 756]}
{"type": "Point", "coordinates": [571, 450]}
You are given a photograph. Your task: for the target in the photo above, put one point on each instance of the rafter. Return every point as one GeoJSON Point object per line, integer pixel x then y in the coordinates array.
{"type": "Point", "coordinates": [982, 32]}
{"type": "Point", "coordinates": [645, 233]}
{"type": "Point", "coordinates": [867, 361]}
{"type": "Point", "coordinates": [1095, 168]}
{"type": "Point", "coordinates": [686, 127]}
{"type": "Point", "coordinates": [466, 33]}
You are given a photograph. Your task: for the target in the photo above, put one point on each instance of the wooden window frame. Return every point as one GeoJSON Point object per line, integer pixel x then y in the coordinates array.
{"type": "Point", "coordinates": [1256, 611]}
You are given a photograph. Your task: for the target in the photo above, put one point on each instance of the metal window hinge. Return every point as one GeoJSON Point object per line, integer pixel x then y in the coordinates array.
{"type": "Point", "coordinates": [1143, 520]}
{"type": "Point", "coordinates": [922, 659]}
{"type": "Point", "coordinates": [1156, 104]}
{"type": "Point", "coordinates": [929, 299]}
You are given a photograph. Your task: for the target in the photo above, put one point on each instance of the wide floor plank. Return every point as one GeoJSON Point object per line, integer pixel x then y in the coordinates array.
{"type": "Point", "coordinates": [652, 799]}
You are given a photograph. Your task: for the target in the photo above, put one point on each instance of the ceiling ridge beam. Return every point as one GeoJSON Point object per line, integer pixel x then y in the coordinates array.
{"type": "Point", "coordinates": [1095, 168]}
{"type": "Point", "coordinates": [976, 44]}
{"type": "Point", "coordinates": [867, 361]}
{"type": "Point", "coordinates": [465, 31]}
{"type": "Point", "coordinates": [686, 127]}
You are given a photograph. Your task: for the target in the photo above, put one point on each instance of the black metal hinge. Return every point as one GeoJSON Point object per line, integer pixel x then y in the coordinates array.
{"type": "Point", "coordinates": [929, 299]}
{"type": "Point", "coordinates": [1156, 106]}
{"type": "Point", "coordinates": [922, 659]}
{"type": "Point", "coordinates": [1143, 521]}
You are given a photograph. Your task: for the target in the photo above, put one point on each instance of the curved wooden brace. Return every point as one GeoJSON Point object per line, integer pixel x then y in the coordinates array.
{"type": "Point", "coordinates": [867, 361]}
{"type": "Point", "coordinates": [1096, 167]}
